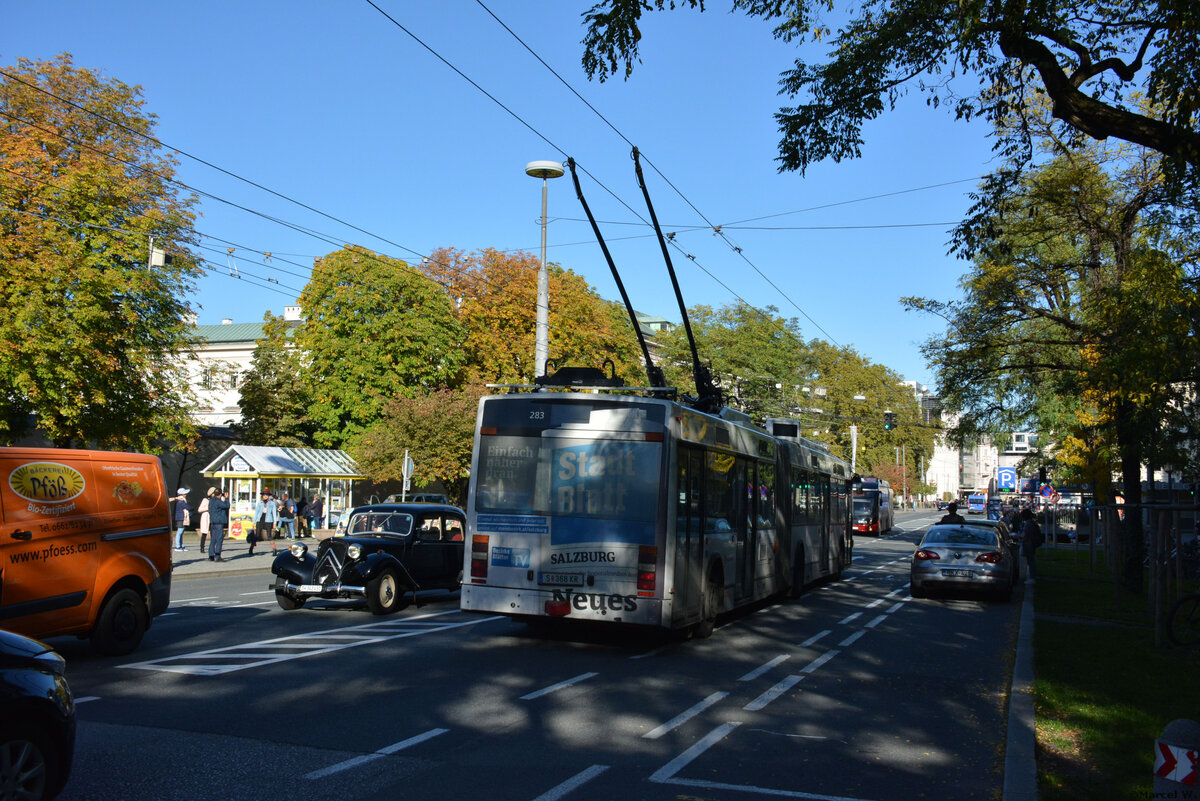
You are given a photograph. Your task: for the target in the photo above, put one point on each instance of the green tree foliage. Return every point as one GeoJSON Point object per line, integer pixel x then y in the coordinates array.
{"type": "Point", "coordinates": [496, 301]}
{"type": "Point", "coordinates": [437, 429]}
{"type": "Point", "coordinates": [1079, 320]}
{"type": "Point", "coordinates": [855, 391]}
{"type": "Point", "coordinates": [1087, 58]}
{"type": "Point", "coordinates": [766, 369]}
{"type": "Point", "coordinates": [93, 338]}
{"type": "Point", "coordinates": [276, 391]}
{"type": "Point", "coordinates": [758, 359]}
{"type": "Point", "coordinates": [376, 330]}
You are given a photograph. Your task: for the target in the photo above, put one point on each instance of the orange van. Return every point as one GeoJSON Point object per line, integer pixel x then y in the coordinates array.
{"type": "Point", "coordinates": [85, 545]}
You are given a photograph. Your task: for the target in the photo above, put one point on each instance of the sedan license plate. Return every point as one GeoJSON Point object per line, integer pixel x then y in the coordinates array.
{"type": "Point", "coordinates": [951, 573]}
{"type": "Point", "coordinates": [311, 588]}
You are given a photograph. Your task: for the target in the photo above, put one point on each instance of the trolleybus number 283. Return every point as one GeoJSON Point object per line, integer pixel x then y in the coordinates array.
{"type": "Point", "coordinates": [643, 511]}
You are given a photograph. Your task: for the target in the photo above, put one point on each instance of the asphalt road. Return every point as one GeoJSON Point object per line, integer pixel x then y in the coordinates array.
{"type": "Point", "coordinates": [855, 691]}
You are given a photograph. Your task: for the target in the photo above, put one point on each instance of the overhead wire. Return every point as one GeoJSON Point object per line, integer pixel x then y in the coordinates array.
{"type": "Point", "coordinates": [715, 228]}
{"type": "Point", "coordinates": [328, 238]}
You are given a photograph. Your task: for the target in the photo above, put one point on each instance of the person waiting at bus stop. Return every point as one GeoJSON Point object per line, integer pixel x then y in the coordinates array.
{"type": "Point", "coordinates": [952, 515]}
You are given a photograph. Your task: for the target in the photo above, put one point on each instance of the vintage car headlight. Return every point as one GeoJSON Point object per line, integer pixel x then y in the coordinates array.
{"type": "Point", "coordinates": [298, 549]}
{"type": "Point", "coordinates": [354, 551]}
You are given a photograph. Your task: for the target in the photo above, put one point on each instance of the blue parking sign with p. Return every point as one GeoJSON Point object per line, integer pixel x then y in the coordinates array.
{"type": "Point", "coordinates": [1006, 479]}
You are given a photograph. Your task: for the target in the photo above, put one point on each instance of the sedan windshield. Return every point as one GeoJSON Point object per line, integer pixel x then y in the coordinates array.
{"type": "Point", "coordinates": [960, 535]}
{"type": "Point", "coordinates": [398, 524]}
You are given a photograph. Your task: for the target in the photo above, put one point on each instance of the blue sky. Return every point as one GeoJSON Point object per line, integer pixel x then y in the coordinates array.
{"type": "Point", "coordinates": [333, 105]}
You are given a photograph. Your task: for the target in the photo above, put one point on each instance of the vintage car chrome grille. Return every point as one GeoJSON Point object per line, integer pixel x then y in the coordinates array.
{"type": "Point", "coordinates": [330, 561]}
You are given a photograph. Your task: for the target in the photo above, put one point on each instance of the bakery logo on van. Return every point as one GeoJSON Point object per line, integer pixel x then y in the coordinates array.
{"type": "Point", "coordinates": [46, 482]}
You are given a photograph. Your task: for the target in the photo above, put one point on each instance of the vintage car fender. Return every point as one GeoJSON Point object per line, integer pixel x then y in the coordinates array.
{"type": "Point", "coordinates": [375, 563]}
{"type": "Point", "coordinates": [293, 570]}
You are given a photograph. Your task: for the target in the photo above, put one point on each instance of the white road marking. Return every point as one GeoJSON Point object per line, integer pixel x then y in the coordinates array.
{"type": "Point", "coordinates": [382, 752]}
{"type": "Point", "coordinates": [819, 661]}
{"type": "Point", "coordinates": [218, 661]}
{"type": "Point", "coordinates": [87, 698]}
{"type": "Point", "coordinates": [560, 686]}
{"type": "Point", "coordinates": [850, 618]}
{"type": "Point", "coordinates": [684, 717]}
{"type": "Point", "coordinates": [578, 780]}
{"type": "Point", "coordinates": [814, 638]}
{"type": "Point", "coordinates": [258, 592]}
{"type": "Point", "coordinates": [770, 695]}
{"type": "Point", "coordinates": [649, 654]}
{"type": "Point", "coordinates": [190, 600]}
{"type": "Point", "coordinates": [876, 622]}
{"type": "Point", "coordinates": [852, 638]}
{"type": "Point", "coordinates": [761, 669]}
{"type": "Point", "coordinates": [667, 771]}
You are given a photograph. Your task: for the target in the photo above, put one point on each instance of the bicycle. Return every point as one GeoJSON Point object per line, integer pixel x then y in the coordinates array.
{"type": "Point", "coordinates": [1183, 621]}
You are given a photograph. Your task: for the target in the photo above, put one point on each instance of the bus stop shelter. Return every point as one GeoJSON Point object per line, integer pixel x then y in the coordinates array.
{"type": "Point", "coordinates": [245, 471]}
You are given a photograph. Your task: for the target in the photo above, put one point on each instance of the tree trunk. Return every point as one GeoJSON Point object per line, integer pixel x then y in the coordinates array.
{"type": "Point", "coordinates": [1133, 537]}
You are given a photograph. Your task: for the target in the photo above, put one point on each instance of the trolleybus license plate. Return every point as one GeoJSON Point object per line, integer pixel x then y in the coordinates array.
{"type": "Point", "coordinates": [567, 579]}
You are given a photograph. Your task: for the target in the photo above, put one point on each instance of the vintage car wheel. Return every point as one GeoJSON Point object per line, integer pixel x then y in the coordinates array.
{"type": "Point", "coordinates": [286, 601]}
{"type": "Point", "coordinates": [122, 622]}
{"type": "Point", "coordinates": [384, 595]}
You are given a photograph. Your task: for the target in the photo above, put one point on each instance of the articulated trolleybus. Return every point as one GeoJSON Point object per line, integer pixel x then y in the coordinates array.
{"type": "Point", "coordinates": [644, 511]}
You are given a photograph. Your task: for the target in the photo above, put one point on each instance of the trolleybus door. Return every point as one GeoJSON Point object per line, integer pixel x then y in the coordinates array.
{"type": "Point", "coordinates": [689, 528]}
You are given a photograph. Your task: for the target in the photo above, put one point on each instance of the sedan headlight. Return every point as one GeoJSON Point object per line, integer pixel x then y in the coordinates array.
{"type": "Point", "coordinates": [298, 549]}
{"type": "Point", "coordinates": [354, 551]}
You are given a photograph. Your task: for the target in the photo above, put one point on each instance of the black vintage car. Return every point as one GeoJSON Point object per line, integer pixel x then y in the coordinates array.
{"type": "Point", "coordinates": [383, 552]}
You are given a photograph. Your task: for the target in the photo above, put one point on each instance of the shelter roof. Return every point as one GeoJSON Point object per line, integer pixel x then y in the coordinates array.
{"type": "Point", "coordinates": [250, 461]}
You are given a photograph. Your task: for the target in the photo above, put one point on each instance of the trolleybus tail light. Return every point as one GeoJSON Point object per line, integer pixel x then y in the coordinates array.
{"type": "Point", "coordinates": [647, 573]}
{"type": "Point", "coordinates": [479, 558]}
{"type": "Point", "coordinates": [924, 554]}
{"type": "Point", "coordinates": [558, 608]}
{"type": "Point", "coordinates": [992, 558]}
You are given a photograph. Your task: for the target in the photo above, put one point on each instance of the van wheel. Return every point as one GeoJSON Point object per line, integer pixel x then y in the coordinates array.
{"type": "Point", "coordinates": [383, 593]}
{"type": "Point", "coordinates": [121, 623]}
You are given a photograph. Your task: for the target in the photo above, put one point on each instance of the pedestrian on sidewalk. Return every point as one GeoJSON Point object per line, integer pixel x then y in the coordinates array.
{"type": "Point", "coordinates": [303, 518]}
{"type": "Point", "coordinates": [318, 512]}
{"type": "Point", "coordinates": [266, 512]}
{"type": "Point", "coordinates": [1031, 539]}
{"type": "Point", "coordinates": [205, 519]}
{"type": "Point", "coordinates": [218, 512]}
{"type": "Point", "coordinates": [287, 516]}
{"type": "Point", "coordinates": [182, 516]}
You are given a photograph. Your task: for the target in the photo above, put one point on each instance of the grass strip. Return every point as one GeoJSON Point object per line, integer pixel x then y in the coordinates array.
{"type": "Point", "coordinates": [1102, 691]}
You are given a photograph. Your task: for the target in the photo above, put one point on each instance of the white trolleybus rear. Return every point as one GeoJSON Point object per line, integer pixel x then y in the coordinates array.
{"type": "Point", "coordinates": [643, 511]}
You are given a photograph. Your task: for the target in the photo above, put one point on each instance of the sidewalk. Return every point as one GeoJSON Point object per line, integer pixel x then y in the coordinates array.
{"type": "Point", "coordinates": [236, 553]}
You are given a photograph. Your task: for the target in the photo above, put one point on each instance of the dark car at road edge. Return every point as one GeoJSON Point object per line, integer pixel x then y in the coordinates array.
{"type": "Point", "coordinates": [37, 719]}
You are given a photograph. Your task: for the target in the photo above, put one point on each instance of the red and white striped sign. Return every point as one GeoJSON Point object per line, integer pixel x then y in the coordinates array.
{"type": "Point", "coordinates": [1175, 763]}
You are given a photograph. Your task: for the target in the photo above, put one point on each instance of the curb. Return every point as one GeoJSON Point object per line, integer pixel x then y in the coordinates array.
{"type": "Point", "coordinates": [1020, 760]}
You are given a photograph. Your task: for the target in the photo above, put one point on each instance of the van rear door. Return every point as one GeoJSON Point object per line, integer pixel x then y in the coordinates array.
{"type": "Point", "coordinates": [49, 541]}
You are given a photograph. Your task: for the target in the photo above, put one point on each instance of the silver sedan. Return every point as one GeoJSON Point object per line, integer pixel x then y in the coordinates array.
{"type": "Point", "coordinates": [963, 556]}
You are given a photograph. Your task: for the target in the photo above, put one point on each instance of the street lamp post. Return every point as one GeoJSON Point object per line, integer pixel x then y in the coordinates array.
{"type": "Point", "coordinates": [544, 170]}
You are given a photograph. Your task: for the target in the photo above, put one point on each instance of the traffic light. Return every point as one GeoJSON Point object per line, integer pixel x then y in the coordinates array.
{"type": "Point", "coordinates": [889, 421]}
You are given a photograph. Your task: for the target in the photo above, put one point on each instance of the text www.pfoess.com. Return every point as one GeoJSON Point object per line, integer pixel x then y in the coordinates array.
{"type": "Point", "coordinates": [52, 552]}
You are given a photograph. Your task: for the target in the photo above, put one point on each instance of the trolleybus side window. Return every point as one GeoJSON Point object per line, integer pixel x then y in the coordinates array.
{"type": "Point", "coordinates": [719, 494]}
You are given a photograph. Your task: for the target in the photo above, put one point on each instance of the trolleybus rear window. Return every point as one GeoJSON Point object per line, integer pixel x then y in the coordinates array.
{"type": "Point", "coordinates": [570, 460]}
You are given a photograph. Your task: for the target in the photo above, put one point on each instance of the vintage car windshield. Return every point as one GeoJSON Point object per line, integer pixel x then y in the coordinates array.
{"type": "Point", "coordinates": [397, 524]}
